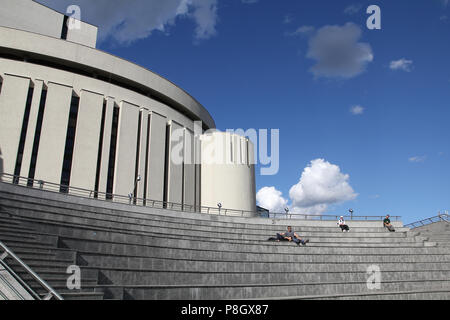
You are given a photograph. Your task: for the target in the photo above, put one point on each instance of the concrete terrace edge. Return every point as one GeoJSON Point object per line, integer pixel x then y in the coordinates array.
{"type": "Point", "coordinates": [76, 200]}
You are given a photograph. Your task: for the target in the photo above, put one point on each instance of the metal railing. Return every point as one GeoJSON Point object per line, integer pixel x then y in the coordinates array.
{"type": "Point", "coordinates": [51, 294]}
{"type": "Point", "coordinates": [440, 217]}
{"type": "Point", "coordinates": [326, 217]}
{"type": "Point", "coordinates": [158, 204]}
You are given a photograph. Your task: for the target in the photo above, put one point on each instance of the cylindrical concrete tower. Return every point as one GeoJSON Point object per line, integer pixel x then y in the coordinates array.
{"type": "Point", "coordinates": [227, 172]}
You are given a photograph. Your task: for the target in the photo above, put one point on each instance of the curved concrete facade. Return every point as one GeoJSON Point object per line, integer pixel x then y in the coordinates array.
{"type": "Point", "coordinates": [75, 116]}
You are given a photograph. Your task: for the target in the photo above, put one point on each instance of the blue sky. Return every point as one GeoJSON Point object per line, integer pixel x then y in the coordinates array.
{"type": "Point", "coordinates": [250, 65]}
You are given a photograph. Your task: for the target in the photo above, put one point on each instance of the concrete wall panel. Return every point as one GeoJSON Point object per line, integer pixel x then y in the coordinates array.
{"type": "Point", "coordinates": [189, 168]}
{"type": "Point", "coordinates": [87, 137]}
{"type": "Point", "coordinates": [176, 159]}
{"type": "Point", "coordinates": [124, 174]}
{"type": "Point", "coordinates": [103, 177]}
{"type": "Point", "coordinates": [12, 109]}
{"type": "Point", "coordinates": [53, 135]}
{"type": "Point", "coordinates": [31, 130]}
{"type": "Point", "coordinates": [155, 179]}
{"type": "Point", "coordinates": [142, 152]}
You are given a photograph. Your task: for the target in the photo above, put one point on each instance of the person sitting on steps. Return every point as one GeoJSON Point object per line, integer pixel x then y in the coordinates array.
{"type": "Point", "coordinates": [387, 224]}
{"type": "Point", "coordinates": [291, 236]}
{"type": "Point", "coordinates": [343, 225]}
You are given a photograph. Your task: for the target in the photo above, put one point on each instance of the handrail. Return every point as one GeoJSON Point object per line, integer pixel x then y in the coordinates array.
{"type": "Point", "coordinates": [440, 217]}
{"type": "Point", "coordinates": [50, 292]}
{"type": "Point", "coordinates": [132, 200]}
{"type": "Point", "coordinates": [328, 217]}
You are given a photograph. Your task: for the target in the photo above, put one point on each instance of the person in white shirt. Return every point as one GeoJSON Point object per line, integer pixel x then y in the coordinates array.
{"type": "Point", "coordinates": [343, 225]}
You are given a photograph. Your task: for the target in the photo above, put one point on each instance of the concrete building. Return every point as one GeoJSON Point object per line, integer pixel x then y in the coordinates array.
{"type": "Point", "coordinates": [78, 117]}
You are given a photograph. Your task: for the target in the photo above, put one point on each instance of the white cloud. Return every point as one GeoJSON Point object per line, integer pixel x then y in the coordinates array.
{"type": "Point", "coordinates": [338, 52]}
{"type": "Point", "coordinates": [357, 110]}
{"type": "Point", "coordinates": [401, 64]}
{"type": "Point", "coordinates": [127, 21]}
{"type": "Point", "coordinates": [205, 15]}
{"type": "Point", "coordinates": [417, 159]}
{"type": "Point", "coordinates": [303, 30]}
{"type": "Point", "coordinates": [321, 184]}
{"type": "Point", "coordinates": [271, 199]}
{"type": "Point", "coordinates": [353, 9]}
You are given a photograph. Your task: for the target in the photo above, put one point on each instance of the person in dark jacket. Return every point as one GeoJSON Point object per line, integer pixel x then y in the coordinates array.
{"type": "Point", "coordinates": [387, 224]}
{"type": "Point", "coordinates": [290, 235]}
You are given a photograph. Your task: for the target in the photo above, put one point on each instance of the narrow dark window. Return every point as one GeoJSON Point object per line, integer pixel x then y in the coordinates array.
{"type": "Point", "coordinates": [70, 141]}
{"type": "Point", "coordinates": [247, 146]}
{"type": "Point", "coordinates": [100, 148]}
{"type": "Point", "coordinates": [112, 153]}
{"type": "Point", "coordinates": [199, 186]}
{"type": "Point", "coordinates": [136, 167]}
{"type": "Point", "coordinates": [23, 135]}
{"type": "Point", "coordinates": [183, 181]}
{"type": "Point", "coordinates": [147, 151]}
{"type": "Point", "coordinates": [240, 152]}
{"type": "Point", "coordinates": [166, 167]}
{"type": "Point", "coordinates": [1, 84]}
{"type": "Point", "coordinates": [37, 137]}
{"type": "Point", "coordinates": [65, 28]}
{"type": "Point", "coordinates": [231, 148]}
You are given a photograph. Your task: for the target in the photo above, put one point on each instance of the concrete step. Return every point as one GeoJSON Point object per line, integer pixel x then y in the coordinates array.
{"type": "Point", "coordinates": [66, 212]}
{"type": "Point", "coordinates": [177, 226]}
{"type": "Point", "coordinates": [173, 255]}
{"type": "Point", "coordinates": [74, 231]}
{"type": "Point", "coordinates": [12, 240]}
{"type": "Point", "coordinates": [6, 219]}
{"type": "Point", "coordinates": [44, 260]}
{"type": "Point", "coordinates": [52, 227]}
{"type": "Point", "coordinates": [33, 251]}
{"type": "Point", "coordinates": [33, 255]}
{"type": "Point", "coordinates": [82, 295]}
{"type": "Point", "coordinates": [419, 294]}
{"type": "Point", "coordinates": [268, 291]}
{"type": "Point", "coordinates": [114, 247]}
{"type": "Point", "coordinates": [18, 235]}
{"type": "Point", "coordinates": [176, 265]}
{"type": "Point", "coordinates": [33, 236]}
{"type": "Point", "coordinates": [146, 277]}
{"type": "Point", "coordinates": [17, 227]}
{"type": "Point", "coordinates": [83, 230]}
{"type": "Point", "coordinates": [432, 295]}
{"type": "Point", "coordinates": [67, 231]}
{"type": "Point", "coordinates": [60, 285]}
{"type": "Point", "coordinates": [48, 271]}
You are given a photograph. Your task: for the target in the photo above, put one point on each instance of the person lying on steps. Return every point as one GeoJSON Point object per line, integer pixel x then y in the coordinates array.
{"type": "Point", "coordinates": [290, 235]}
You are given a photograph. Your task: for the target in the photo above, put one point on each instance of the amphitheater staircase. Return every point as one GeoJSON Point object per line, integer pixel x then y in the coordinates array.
{"type": "Point", "coordinates": [128, 252]}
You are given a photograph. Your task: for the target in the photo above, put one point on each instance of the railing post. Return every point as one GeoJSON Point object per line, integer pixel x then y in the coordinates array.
{"type": "Point", "coordinates": [4, 256]}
